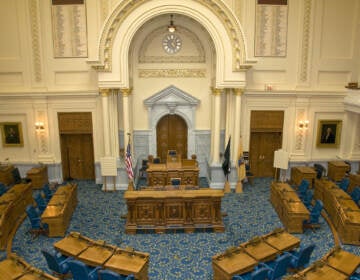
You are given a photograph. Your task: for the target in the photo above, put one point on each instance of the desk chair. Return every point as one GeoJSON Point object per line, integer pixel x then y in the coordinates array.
{"type": "Point", "coordinates": [315, 213]}
{"type": "Point", "coordinates": [355, 195]}
{"type": "Point", "coordinates": [320, 170]}
{"type": "Point", "coordinates": [81, 271]}
{"type": "Point", "coordinates": [258, 274]}
{"type": "Point", "coordinates": [17, 178]}
{"type": "Point", "coordinates": [277, 268]}
{"type": "Point", "coordinates": [301, 259]}
{"type": "Point", "coordinates": [302, 188]}
{"type": "Point", "coordinates": [307, 199]}
{"type": "Point", "coordinates": [37, 227]}
{"type": "Point", "coordinates": [57, 263]}
{"type": "Point", "coordinates": [156, 160]}
{"type": "Point", "coordinates": [3, 189]}
{"type": "Point", "coordinates": [105, 274]}
{"type": "Point", "coordinates": [175, 181]}
{"type": "Point", "coordinates": [40, 202]}
{"type": "Point", "coordinates": [142, 170]}
{"type": "Point", "coordinates": [344, 184]}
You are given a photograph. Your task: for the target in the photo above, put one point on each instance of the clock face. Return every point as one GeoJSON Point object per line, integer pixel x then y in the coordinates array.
{"type": "Point", "coordinates": [171, 43]}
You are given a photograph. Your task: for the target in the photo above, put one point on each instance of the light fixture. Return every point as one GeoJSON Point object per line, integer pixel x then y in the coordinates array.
{"type": "Point", "coordinates": [39, 126]}
{"type": "Point", "coordinates": [303, 124]}
{"type": "Point", "coordinates": [171, 27]}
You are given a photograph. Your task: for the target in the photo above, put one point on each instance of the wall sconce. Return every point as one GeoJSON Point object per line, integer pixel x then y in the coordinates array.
{"type": "Point", "coordinates": [39, 126]}
{"type": "Point", "coordinates": [303, 124]}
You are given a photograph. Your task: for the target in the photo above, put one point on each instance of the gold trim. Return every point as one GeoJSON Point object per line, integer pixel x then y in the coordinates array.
{"type": "Point", "coordinates": [238, 91]}
{"type": "Point", "coordinates": [104, 92]}
{"type": "Point", "coordinates": [126, 92]}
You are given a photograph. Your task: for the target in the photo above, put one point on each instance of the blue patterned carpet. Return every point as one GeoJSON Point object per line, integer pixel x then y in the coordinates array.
{"type": "Point", "coordinates": [177, 255]}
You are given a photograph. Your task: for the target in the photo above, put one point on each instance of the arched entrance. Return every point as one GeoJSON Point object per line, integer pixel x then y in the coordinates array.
{"type": "Point", "coordinates": [171, 134]}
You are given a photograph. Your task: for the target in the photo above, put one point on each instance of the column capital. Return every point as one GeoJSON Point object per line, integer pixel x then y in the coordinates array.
{"type": "Point", "coordinates": [238, 91]}
{"type": "Point", "coordinates": [216, 91]}
{"type": "Point", "coordinates": [104, 92]}
{"type": "Point", "coordinates": [126, 91]}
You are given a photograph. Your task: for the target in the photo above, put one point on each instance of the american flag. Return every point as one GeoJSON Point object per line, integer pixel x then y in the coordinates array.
{"type": "Point", "coordinates": [128, 162]}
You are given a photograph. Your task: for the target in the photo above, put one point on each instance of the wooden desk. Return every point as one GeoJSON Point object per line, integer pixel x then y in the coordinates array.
{"type": "Point", "coordinates": [298, 173]}
{"type": "Point", "coordinates": [6, 176]}
{"type": "Point", "coordinates": [72, 245]}
{"type": "Point", "coordinates": [59, 210]}
{"type": "Point", "coordinates": [337, 170]}
{"type": "Point", "coordinates": [161, 173]}
{"type": "Point", "coordinates": [129, 262]}
{"type": "Point", "coordinates": [226, 265]}
{"type": "Point", "coordinates": [260, 250]}
{"type": "Point", "coordinates": [97, 253]}
{"type": "Point", "coordinates": [282, 240]}
{"type": "Point", "coordinates": [354, 182]}
{"type": "Point", "coordinates": [38, 176]}
{"type": "Point", "coordinates": [343, 261]}
{"type": "Point", "coordinates": [319, 272]}
{"type": "Point", "coordinates": [290, 209]}
{"type": "Point", "coordinates": [180, 209]}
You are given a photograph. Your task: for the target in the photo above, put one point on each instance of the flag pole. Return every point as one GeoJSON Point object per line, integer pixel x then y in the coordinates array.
{"type": "Point", "coordinates": [131, 181]}
{"type": "Point", "coordinates": [227, 185]}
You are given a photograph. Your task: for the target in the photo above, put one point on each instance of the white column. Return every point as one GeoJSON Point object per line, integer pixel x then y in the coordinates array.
{"type": "Point", "coordinates": [229, 117]}
{"type": "Point", "coordinates": [126, 92]}
{"type": "Point", "coordinates": [105, 108]}
{"type": "Point", "coordinates": [216, 127]}
{"type": "Point", "coordinates": [237, 122]}
{"type": "Point", "coordinates": [113, 119]}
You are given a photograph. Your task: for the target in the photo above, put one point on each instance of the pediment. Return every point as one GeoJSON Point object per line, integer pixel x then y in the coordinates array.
{"type": "Point", "coordinates": [171, 95]}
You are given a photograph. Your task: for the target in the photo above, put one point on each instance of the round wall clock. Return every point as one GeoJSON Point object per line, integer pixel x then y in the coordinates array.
{"type": "Point", "coordinates": [171, 43]}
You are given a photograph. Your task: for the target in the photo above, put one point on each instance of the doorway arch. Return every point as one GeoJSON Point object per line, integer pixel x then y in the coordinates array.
{"type": "Point", "coordinates": [171, 134]}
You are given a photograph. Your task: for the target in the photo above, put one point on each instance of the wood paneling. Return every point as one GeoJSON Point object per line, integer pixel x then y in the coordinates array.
{"type": "Point", "coordinates": [75, 122]}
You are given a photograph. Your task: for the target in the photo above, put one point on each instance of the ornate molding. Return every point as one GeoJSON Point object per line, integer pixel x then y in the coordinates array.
{"type": "Point", "coordinates": [104, 92]}
{"type": "Point", "coordinates": [126, 7]}
{"type": "Point", "coordinates": [216, 91]}
{"type": "Point", "coordinates": [35, 40]}
{"type": "Point", "coordinates": [172, 73]}
{"type": "Point", "coordinates": [305, 41]}
{"type": "Point", "coordinates": [184, 33]}
{"type": "Point", "coordinates": [238, 91]}
{"type": "Point", "coordinates": [126, 92]}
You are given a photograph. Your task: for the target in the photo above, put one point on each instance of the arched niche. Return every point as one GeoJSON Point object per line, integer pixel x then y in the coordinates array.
{"type": "Point", "coordinates": [172, 100]}
{"type": "Point", "coordinates": [128, 16]}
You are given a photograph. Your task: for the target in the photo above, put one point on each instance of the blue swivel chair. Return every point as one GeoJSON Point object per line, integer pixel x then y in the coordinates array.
{"type": "Point", "coordinates": [307, 199]}
{"type": "Point", "coordinates": [344, 184]}
{"type": "Point", "coordinates": [48, 193]}
{"type": "Point", "coordinates": [315, 213]}
{"type": "Point", "coordinates": [3, 189]}
{"type": "Point", "coordinates": [175, 181]}
{"type": "Point", "coordinates": [355, 194]}
{"type": "Point", "coordinates": [81, 271]}
{"type": "Point", "coordinates": [57, 263]}
{"type": "Point", "coordinates": [105, 274]}
{"type": "Point", "coordinates": [320, 170]}
{"type": "Point", "coordinates": [301, 258]}
{"type": "Point", "coordinates": [37, 227]}
{"type": "Point", "coordinates": [303, 187]}
{"type": "Point", "coordinates": [40, 202]}
{"type": "Point", "coordinates": [259, 274]}
{"type": "Point", "coordinates": [277, 268]}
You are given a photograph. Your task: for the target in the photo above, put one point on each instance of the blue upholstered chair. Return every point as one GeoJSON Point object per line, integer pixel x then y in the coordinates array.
{"type": "Point", "coordinates": [302, 188]}
{"type": "Point", "coordinates": [105, 274]}
{"type": "Point", "coordinates": [320, 170]}
{"type": "Point", "coordinates": [3, 189]}
{"type": "Point", "coordinates": [175, 181]}
{"type": "Point", "coordinates": [57, 263]}
{"type": "Point", "coordinates": [81, 271]}
{"type": "Point", "coordinates": [48, 193]}
{"type": "Point", "coordinates": [315, 213]}
{"type": "Point", "coordinates": [259, 274]}
{"type": "Point", "coordinates": [17, 177]}
{"type": "Point", "coordinates": [307, 199]}
{"type": "Point", "coordinates": [156, 160]}
{"type": "Point", "coordinates": [277, 268]}
{"type": "Point", "coordinates": [40, 202]}
{"type": "Point", "coordinates": [301, 258]}
{"type": "Point", "coordinates": [344, 184]}
{"type": "Point", "coordinates": [37, 227]}
{"type": "Point", "coordinates": [355, 194]}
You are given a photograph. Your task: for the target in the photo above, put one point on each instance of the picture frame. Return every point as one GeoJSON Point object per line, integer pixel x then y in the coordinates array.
{"type": "Point", "coordinates": [11, 134]}
{"type": "Point", "coordinates": [329, 133]}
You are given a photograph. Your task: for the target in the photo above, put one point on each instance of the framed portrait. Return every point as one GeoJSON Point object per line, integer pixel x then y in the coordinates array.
{"type": "Point", "coordinates": [329, 133]}
{"type": "Point", "coordinates": [11, 133]}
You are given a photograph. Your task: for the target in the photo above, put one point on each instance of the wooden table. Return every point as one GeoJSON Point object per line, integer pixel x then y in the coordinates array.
{"type": "Point", "coordinates": [38, 176]}
{"type": "Point", "coordinates": [282, 240]}
{"type": "Point", "coordinates": [343, 261]}
{"type": "Point", "coordinates": [260, 250]}
{"type": "Point", "coordinates": [130, 262]}
{"type": "Point", "coordinates": [320, 272]}
{"type": "Point", "coordinates": [298, 173]}
{"type": "Point", "coordinates": [226, 265]}
{"type": "Point", "coordinates": [337, 170]}
{"type": "Point", "coordinates": [96, 254]}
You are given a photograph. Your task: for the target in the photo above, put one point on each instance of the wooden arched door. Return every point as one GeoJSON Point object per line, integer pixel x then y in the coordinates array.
{"type": "Point", "coordinates": [171, 134]}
